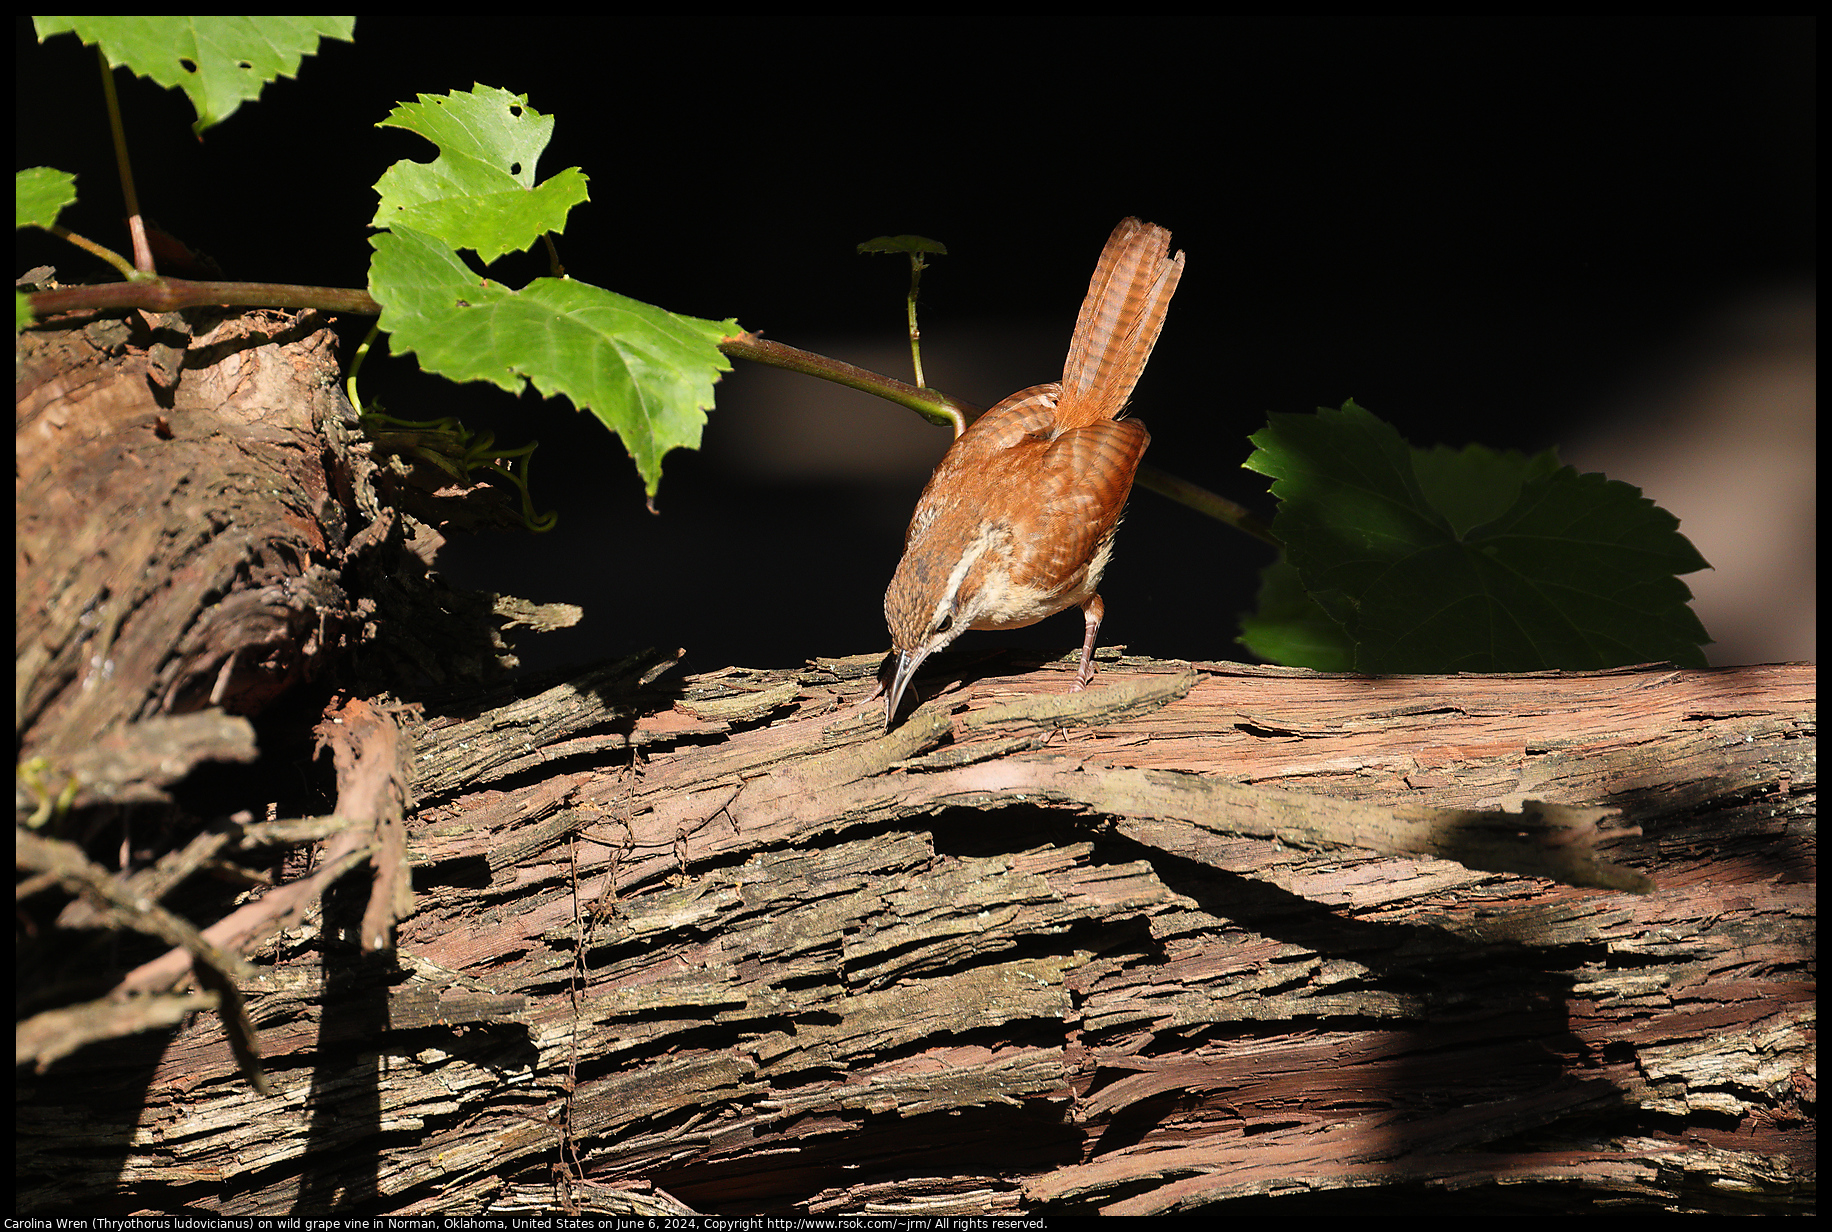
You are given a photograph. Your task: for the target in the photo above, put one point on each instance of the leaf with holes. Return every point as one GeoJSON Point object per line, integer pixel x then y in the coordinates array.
{"type": "Point", "coordinates": [220, 62]}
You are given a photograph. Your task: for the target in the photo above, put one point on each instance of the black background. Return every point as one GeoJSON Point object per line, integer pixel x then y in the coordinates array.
{"type": "Point", "coordinates": [1482, 230]}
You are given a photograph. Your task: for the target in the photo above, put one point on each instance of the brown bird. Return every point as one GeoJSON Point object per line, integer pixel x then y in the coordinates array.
{"type": "Point", "coordinates": [1017, 521]}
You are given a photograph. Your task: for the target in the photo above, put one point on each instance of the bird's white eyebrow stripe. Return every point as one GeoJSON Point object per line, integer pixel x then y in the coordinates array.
{"type": "Point", "coordinates": [975, 550]}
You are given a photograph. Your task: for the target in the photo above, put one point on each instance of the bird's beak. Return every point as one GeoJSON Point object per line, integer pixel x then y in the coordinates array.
{"type": "Point", "coordinates": [907, 663]}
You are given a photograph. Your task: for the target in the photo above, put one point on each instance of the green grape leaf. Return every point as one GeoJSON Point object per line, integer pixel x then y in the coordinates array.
{"type": "Point", "coordinates": [645, 372]}
{"type": "Point", "coordinates": [220, 62]}
{"type": "Point", "coordinates": [1291, 628]}
{"type": "Point", "coordinates": [480, 193]}
{"type": "Point", "coordinates": [1437, 561]}
{"type": "Point", "coordinates": [1475, 484]}
{"type": "Point", "coordinates": [39, 196]}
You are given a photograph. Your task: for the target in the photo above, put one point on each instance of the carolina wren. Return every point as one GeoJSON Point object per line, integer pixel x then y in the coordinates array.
{"type": "Point", "coordinates": [1017, 521]}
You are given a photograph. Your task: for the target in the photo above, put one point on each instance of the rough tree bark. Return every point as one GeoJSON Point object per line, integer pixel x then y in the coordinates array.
{"type": "Point", "coordinates": [722, 944]}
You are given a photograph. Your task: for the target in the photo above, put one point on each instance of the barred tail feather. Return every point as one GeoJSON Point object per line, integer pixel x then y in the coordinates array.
{"type": "Point", "coordinates": [1119, 323]}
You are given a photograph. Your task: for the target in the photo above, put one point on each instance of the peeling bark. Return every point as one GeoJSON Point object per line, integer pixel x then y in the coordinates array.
{"type": "Point", "coordinates": [785, 962]}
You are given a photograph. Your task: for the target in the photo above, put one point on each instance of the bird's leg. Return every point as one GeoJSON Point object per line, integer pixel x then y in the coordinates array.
{"type": "Point", "coordinates": [1091, 612]}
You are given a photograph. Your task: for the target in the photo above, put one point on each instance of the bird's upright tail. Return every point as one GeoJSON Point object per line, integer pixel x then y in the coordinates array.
{"type": "Point", "coordinates": [1119, 323]}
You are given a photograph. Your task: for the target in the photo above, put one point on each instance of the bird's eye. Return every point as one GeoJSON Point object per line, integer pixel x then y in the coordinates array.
{"type": "Point", "coordinates": [945, 623]}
